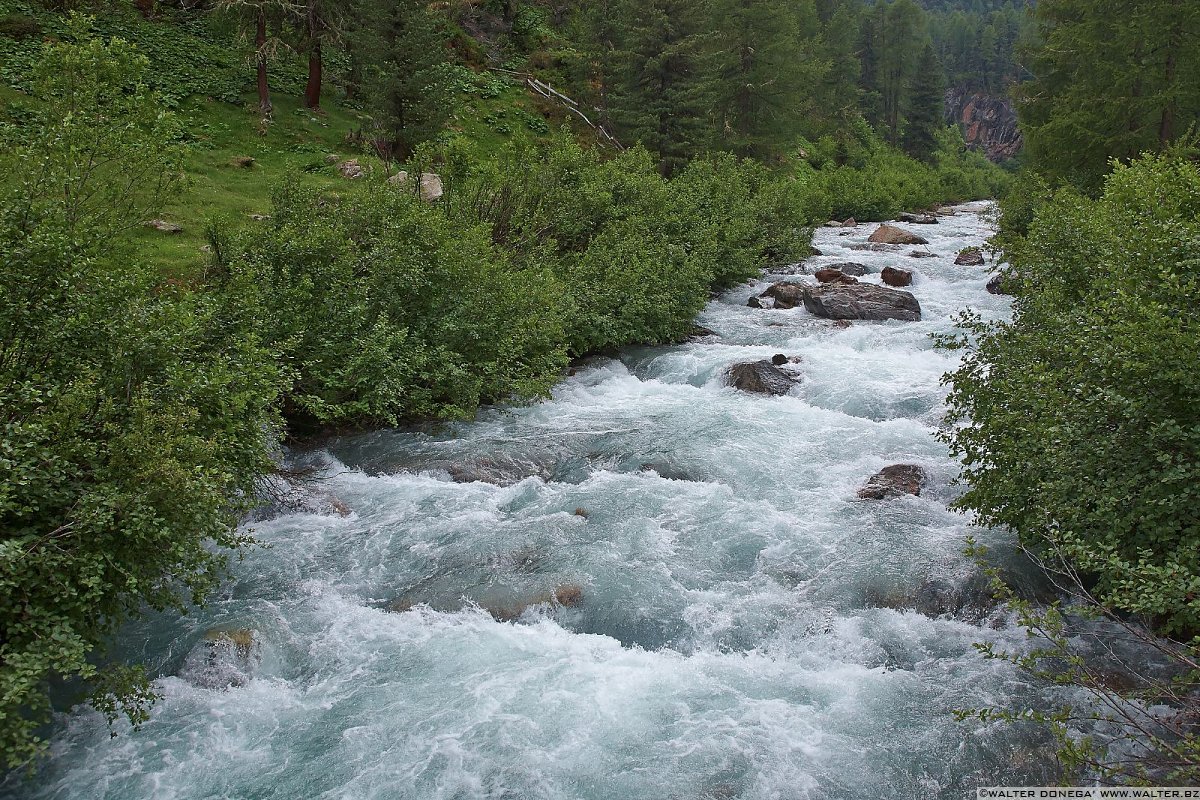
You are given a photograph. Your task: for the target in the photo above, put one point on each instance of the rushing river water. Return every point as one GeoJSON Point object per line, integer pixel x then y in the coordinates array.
{"type": "Point", "coordinates": [735, 622]}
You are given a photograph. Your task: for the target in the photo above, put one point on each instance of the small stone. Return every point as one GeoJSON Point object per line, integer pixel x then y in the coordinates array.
{"type": "Point", "coordinates": [779, 359]}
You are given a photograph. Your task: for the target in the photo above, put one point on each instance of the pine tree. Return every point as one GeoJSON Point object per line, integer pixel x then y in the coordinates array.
{"type": "Point", "coordinates": [925, 107]}
{"type": "Point", "coordinates": [766, 69]}
{"type": "Point", "coordinates": [663, 86]}
{"type": "Point", "coordinates": [399, 47]}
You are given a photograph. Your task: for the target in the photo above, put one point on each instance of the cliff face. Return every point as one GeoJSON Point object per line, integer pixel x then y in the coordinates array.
{"type": "Point", "coordinates": [988, 123]}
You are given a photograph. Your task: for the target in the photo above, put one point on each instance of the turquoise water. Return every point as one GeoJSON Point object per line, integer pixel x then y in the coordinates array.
{"type": "Point", "coordinates": [740, 629]}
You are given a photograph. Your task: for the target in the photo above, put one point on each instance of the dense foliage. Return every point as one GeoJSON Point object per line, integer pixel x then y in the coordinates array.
{"type": "Point", "coordinates": [135, 414]}
{"type": "Point", "coordinates": [1079, 425]}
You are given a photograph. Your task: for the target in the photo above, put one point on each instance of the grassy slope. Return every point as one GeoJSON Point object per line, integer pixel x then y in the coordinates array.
{"type": "Point", "coordinates": [218, 131]}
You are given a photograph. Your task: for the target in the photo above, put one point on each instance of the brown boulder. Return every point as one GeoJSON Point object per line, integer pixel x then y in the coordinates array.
{"type": "Point", "coordinates": [760, 377]}
{"type": "Point", "coordinates": [894, 481]}
{"type": "Point", "coordinates": [896, 277]}
{"type": "Point", "coordinates": [890, 234]}
{"type": "Point", "coordinates": [830, 275]}
{"type": "Point", "coordinates": [786, 295]}
{"type": "Point", "coordinates": [850, 223]}
{"type": "Point", "coordinates": [970, 257]}
{"type": "Point", "coordinates": [860, 301]}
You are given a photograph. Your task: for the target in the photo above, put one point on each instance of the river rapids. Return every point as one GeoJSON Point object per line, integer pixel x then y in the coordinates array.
{"type": "Point", "coordinates": [658, 588]}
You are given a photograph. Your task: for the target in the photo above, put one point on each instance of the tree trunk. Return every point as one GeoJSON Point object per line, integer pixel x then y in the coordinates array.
{"type": "Point", "coordinates": [260, 41]}
{"type": "Point", "coordinates": [1166, 123]}
{"type": "Point", "coordinates": [312, 92]}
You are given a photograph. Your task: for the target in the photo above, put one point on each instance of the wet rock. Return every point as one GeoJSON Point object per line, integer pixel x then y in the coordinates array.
{"type": "Point", "coordinates": [922, 254]}
{"type": "Point", "coordinates": [280, 496]}
{"type": "Point", "coordinates": [566, 596]}
{"type": "Point", "coordinates": [581, 512]}
{"type": "Point", "coordinates": [970, 599]}
{"type": "Point", "coordinates": [970, 257]}
{"type": "Point", "coordinates": [812, 251]}
{"type": "Point", "coordinates": [223, 659]}
{"type": "Point", "coordinates": [917, 219]}
{"type": "Point", "coordinates": [785, 295]}
{"type": "Point", "coordinates": [164, 226]}
{"type": "Point", "coordinates": [997, 285]}
{"type": "Point", "coordinates": [850, 223]}
{"type": "Point", "coordinates": [779, 359]}
{"type": "Point", "coordinates": [754, 302]}
{"type": "Point", "coordinates": [700, 332]}
{"type": "Point", "coordinates": [843, 323]}
{"type": "Point", "coordinates": [497, 470]}
{"type": "Point", "coordinates": [761, 377]}
{"type": "Point", "coordinates": [890, 234]}
{"type": "Point", "coordinates": [860, 301]}
{"type": "Point", "coordinates": [873, 247]}
{"type": "Point", "coordinates": [894, 481]}
{"type": "Point", "coordinates": [896, 277]}
{"type": "Point", "coordinates": [849, 268]}
{"type": "Point", "coordinates": [829, 275]}
{"type": "Point", "coordinates": [351, 169]}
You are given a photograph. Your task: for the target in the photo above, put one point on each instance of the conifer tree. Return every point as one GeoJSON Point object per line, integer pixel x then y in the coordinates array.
{"type": "Point", "coordinates": [925, 107]}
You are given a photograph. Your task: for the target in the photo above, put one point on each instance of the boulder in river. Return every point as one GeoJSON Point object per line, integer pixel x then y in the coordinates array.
{"type": "Point", "coordinates": [786, 295]}
{"type": "Point", "coordinates": [996, 285]}
{"type": "Point", "coordinates": [896, 277]}
{"type": "Point", "coordinates": [917, 219]}
{"type": "Point", "coordinates": [860, 301]}
{"type": "Point", "coordinates": [874, 247]}
{"type": "Point", "coordinates": [761, 377]}
{"type": "Point", "coordinates": [922, 254]}
{"type": "Point", "coordinates": [849, 268]}
{"type": "Point", "coordinates": [754, 302]}
{"type": "Point", "coordinates": [970, 257]}
{"type": "Point", "coordinates": [850, 223]}
{"type": "Point", "coordinates": [223, 659]}
{"type": "Point", "coordinates": [830, 275]}
{"type": "Point", "coordinates": [890, 234]}
{"type": "Point", "coordinates": [779, 359]}
{"type": "Point", "coordinates": [894, 481]}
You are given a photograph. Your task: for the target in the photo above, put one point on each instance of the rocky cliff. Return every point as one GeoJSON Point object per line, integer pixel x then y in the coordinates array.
{"type": "Point", "coordinates": [988, 123]}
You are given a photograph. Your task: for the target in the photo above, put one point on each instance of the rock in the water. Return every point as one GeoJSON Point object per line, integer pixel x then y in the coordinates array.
{"type": "Point", "coordinates": [833, 223]}
{"type": "Point", "coordinates": [779, 359]}
{"type": "Point", "coordinates": [896, 277]}
{"type": "Point", "coordinates": [700, 332]}
{"type": "Point", "coordinates": [843, 323]}
{"type": "Point", "coordinates": [850, 223]}
{"type": "Point", "coordinates": [922, 254]}
{"type": "Point", "coordinates": [754, 302]}
{"type": "Point", "coordinates": [890, 234]}
{"type": "Point", "coordinates": [849, 268]}
{"type": "Point", "coordinates": [786, 295]}
{"type": "Point", "coordinates": [223, 658]}
{"type": "Point", "coordinates": [917, 219]}
{"type": "Point", "coordinates": [894, 481]}
{"type": "Point", "coordinates": [996, 285]}
{"type": "Point", "coordinates": [874, 247]}
{"type": "Point", "coordinates": [351, 169]}
{"type": "Point", "coordinates": [812, 251]}
{"type": "Point", "coordinates": [761, 377]}
{"type": "Point", "coordinates": [860, 301]}
{"type": "Point", "coordinates": [165, 226]}
{"type": "Point", "coordinates": [830, 275]}
{"type": "Point", "coordinates": [970, 257]}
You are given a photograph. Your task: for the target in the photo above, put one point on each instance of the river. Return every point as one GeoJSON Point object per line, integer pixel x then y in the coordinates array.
{"type": "Point", "coordinates": [735, 622]}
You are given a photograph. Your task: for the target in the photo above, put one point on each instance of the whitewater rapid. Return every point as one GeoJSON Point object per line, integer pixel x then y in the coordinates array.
{"type": "Point", "coordinates": [740, 633]}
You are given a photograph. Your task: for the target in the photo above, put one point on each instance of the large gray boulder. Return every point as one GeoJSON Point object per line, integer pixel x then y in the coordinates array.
{"type": "Point", "coordinates": [860, 301]}
{"type": "Point", "coordinates": [849, 268]}
{"type": "Point", "coordinates": [761, 377]}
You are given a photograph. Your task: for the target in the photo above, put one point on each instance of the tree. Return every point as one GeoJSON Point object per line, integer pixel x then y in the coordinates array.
{"type": "Point", "coordinates": [925, 112]}
{"type": "Point", "coordinates": [399, 50]}
{"type": "Point", "coordinates": [1111, 80]}
{"type": "Point", "coordinates": [765, 67]}
{"type": "Point", "coordinates": [319, 22]}
{"type": "Point", "coordinates": [257, 14]}
{"type": "Point", "coordinates": [890, 33]}
{"type": "Point", "coordinates": [663, 87]}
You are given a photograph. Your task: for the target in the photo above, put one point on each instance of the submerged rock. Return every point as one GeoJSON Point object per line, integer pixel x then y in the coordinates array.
{"type": "Point", "coordinates": [970, 257]}
{"type": "Point", "coordinates": [894, 481]}
{"type": "Point", "coordinates": [971, 598]}
{"type": "Point", "coordinates": [922, 254]}
{"type": "Point", "coordinates": [890, 234]}
{"type": "Point", "coordinates": [761, 377]}
{"type": "Point", "coordinates": [874, 247]}
{"type": "Point", "coordinates": [223, 659]}
{"type": "Point", "coordinates": [896, 277]}
{"type": "Point", "coordinates": [917, 219]}
{"type": "Point", "coordinates": [860, 301]}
